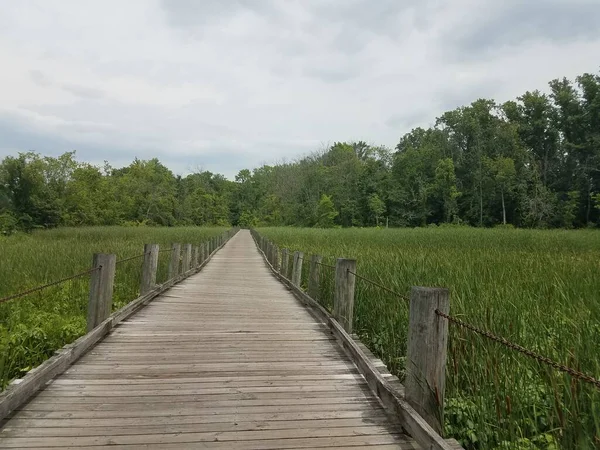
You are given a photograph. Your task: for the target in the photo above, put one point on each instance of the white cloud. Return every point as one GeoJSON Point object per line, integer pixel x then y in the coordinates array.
{"type": "Point", "coordinates": [228, 85]}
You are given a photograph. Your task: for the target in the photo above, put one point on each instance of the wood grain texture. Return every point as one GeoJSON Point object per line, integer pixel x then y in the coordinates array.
{"type": "Point", "coordinates": [343, 297]}
{"type": "Point", "coordinates": [228, 358]}
{"type": "Point", "coordinates": [149, 268]}
{"type": "Point", "coordinates": [314, 277]}
{"type": "Point", "coordinates": [174, 262]}
{"type": "Point", "coordinates": [297, 268]}
{"type": "Point", "coordinates": [101, 289]}
{"type": "Point", "coordinates": [426, 355]}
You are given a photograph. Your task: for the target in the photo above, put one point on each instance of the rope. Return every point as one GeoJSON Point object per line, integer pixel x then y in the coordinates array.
{"type": "Point", "coordinates": [543, 359]}
{"type": "Point", "coordinates": [54, 283]}
{"type": "Point", "coordinates": [133, 257]}
{"type": "Point", "coordinates": [380, 286]}
{"type": "Point", "coordinates": [325, 265]}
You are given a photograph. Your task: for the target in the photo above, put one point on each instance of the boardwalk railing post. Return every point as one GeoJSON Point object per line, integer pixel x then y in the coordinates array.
{"type": "Point", "coordinates": [187, 257]}
{"type": "Point", "coordinates": [149, 268]}
{"type": "Point", "coordinates": [314, 276]}
{"type": "Point", "coordinates": [275, 257]}
{"type": "Point", "coordinates": [297, 268]}
{"type": "Point", "coordinates": [426, 356]}
{"type": "Point", "coordinates": [343, 298]}
{"type": "Point", "coordinates": [284, 262]}
{"type": "Point", "coordinates": [101, 289]}
{"type": "Point", "coordinates": [174, 262]}
{"type": "Point", "coordinates": [196, 257]}
{"type": "Point", "coordinates": [271, 253]}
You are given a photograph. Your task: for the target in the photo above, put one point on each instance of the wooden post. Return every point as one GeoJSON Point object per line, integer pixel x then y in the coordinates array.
{"type": "Point", "coordinates": [174, 263]}
{"type": "Point", "coordinates": [314, 276]}
{"type": "Point", "coordinates": [426, 356]}
{"type": "Point", "coordinates": [196, 257]}
{"type": "Point", "coordinates": [270, 248]}
{"type": "Point", "coordinates": [284, 262]}
{"type": "Point", "coordinates": [187, 257]}
{"type": "Point", "coordinates": [101, 289]}
{"type": "Point", "coordinates": [275, 257]}
{"type": "Point", "coordinates": [343, 298]}
{"type": "Point", "coordinates": [149, 268]}
{"type": "Point", "coordinates": [297, 268]}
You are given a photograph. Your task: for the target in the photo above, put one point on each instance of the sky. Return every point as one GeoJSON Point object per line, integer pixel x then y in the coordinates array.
{"type": "Point", "coordinates": [223, 85]}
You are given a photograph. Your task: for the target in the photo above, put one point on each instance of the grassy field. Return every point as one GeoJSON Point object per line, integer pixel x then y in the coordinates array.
{"type": "Point", "coordinates": [540, 289]}
{"type": "Point", "coordinates": [34, 326]}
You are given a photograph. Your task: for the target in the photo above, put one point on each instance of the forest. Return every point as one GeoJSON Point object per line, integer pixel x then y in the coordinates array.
{"type": "Point", "coordinates": [530, 162]}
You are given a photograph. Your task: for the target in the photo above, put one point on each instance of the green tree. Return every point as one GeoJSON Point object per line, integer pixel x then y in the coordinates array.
{"type": "Point", "coordinates": [445, 186]}
{"type": "Point", "coordinates": [569, 209]}
{"type": "Point", "coordinates": [503, 173]}
{"type": "Point", "coordinates": [376, 206]}
{"type": "Point", "coordinates": [326, 212]}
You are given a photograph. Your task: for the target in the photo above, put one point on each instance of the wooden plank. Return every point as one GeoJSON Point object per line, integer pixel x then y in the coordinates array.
{"type": "Point", "coordinates": [192, 410]}
{"type": "Point", "coordinates": [65, 379]}
{"type": "Point", "coordinates": [176, 404]}
{"type": "Point", "coordinates": [196, 436]}
{"type": "Point", "coordinates": [32, 429]}
{"type": "Point", "coordinates": [81, 423]}
{"type": "Point", "coordinates": [207, 441]}
{"type": "Point", "coordinates": [257, 391]}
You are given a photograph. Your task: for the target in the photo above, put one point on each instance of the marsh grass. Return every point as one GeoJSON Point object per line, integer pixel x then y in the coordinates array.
{"type": "Point", "coordinates": [34, 326]}
{"type": "Point", "coordinates": [538, 288]}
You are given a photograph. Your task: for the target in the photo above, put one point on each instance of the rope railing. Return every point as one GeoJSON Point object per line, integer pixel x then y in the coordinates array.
{"type": "Point", "coordinates": [576, 374]}
{"type": "Point", "coordinates": [325, 265]}
{"type": "Point", "coordinates": [132, 258]}
{"type": "Point", "coordinates": [524, 351]}
{"type": "Point", "coordinates": [380, 286]}
{"type": "Point", "coordinates": [47, 285]}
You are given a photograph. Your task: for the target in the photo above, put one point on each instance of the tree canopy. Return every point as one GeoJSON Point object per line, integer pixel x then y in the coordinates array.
{"type": "Point", "coordinates": [530, 162]}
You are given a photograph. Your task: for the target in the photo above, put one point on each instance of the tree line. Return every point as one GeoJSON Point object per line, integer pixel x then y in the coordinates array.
{"type": "Point", "coordinates": [529, 162]}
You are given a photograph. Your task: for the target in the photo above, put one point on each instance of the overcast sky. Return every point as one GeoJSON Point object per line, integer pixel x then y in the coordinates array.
{"type": "Point", "coordinates": [229, 84]}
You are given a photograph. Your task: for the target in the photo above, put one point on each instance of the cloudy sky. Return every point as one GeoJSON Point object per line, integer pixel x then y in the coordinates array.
{"type": "Point", "coordinates": [227, 84]}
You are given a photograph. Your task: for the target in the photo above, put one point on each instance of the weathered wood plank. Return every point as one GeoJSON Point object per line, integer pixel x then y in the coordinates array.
{"type": "Point", "coordinates": [31, 428]}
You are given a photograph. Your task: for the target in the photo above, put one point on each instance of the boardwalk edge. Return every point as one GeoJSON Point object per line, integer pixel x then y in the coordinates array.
{"type": "Point", "coordinates": [392, 398]}
{"type": "Point", "coordinates": [22, 389]}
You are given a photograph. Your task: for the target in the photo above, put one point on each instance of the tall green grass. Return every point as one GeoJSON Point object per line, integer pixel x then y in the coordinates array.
{"type": "Point", "coordinates": [540, 289]}
{"type": "Point", "coordinates": [34, 326]}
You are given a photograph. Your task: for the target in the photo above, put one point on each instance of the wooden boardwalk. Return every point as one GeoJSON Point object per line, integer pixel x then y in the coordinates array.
{"type": "Point", "coordinates": [226, 359]}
